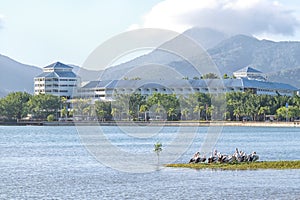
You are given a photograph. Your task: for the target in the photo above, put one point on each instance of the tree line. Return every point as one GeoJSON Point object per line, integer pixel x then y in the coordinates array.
{"type": "Point", "coordinates": [234, 106]}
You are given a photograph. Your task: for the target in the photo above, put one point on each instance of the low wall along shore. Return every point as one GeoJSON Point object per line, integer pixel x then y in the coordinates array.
{"type": "Point", "coordinates": [155, 123]}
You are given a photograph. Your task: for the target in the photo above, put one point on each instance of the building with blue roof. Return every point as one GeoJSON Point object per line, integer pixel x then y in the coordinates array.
{"type": "Point", "coordinates": [57, 79]}
{"type": "Point", "coordinates": [250, 73]}
{"type": "Point", "coordinates": [247, 79]}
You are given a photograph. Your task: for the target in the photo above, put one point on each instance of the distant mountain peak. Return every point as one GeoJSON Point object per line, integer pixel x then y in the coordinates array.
{"type": "Point", "coordinates": [16, 76]}
{"type": "Point", "coordinates": [206, 37]}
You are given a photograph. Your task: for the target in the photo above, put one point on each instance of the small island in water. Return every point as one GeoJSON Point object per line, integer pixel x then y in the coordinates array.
{"type": "Point", "coordinates": [238, 161]}
{"type": "Point", "coordinates": [241, 166]}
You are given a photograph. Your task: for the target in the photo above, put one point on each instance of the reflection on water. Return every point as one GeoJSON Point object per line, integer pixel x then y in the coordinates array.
{"type": "Point", "coordinates": [51, 163]}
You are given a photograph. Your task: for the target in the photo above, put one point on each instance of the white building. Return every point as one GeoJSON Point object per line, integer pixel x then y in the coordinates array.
{"type": "Point", "coordinates": [57, 79]}
{"type": "Point", "coordinates": [250, 73]}
{"type": "Point", "coordinates": [104, 90]}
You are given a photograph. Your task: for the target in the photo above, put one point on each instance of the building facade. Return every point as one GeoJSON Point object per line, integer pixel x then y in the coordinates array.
{"type": "Point", "coordinates": [57, 79]}
{"type": "Point", "coordinates": [250, 73]}
{"type": "Point", "coordinates": [104, 90]}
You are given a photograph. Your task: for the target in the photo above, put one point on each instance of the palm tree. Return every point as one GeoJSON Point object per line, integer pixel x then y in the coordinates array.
{"type": "Point", "coordinates": [185, 113]}
{"type": "Point", "coordinates": [263, 111]}
{"type": "Point", "coordinates": [157, 150]}
{"type": "Point", "coordinates": [171, 112]}
{"type": "Point", "coordinates": [114, 112]}
{"type": "Point", "coordinates": [64, 112]}
{"type": "Point", "coordinates": [198, 109]}
{"type": "Point", "coordinates": [159, 109]}
{"type": "Point", "coordinates": [64, 107]}
{"type": "Point", "coordinates": [143, 109]}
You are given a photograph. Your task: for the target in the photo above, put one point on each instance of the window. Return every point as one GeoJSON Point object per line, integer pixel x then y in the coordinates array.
{"type": "Point", "coordinates": [100, 90]}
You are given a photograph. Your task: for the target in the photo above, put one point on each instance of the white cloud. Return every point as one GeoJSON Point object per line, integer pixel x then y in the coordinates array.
{"type": "Point", "coordinates": [229, 16]}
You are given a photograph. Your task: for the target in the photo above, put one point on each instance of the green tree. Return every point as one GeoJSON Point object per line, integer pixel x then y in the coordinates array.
{"type": "Point", "coordinates": [143, 111]}
{"type": "Point", "coordinates": [81, 108]}
{"type": "Point", "coordinates": [225, 76]}
{"type": "Point", "coordinates": [135, 102]}
{"type": "Point", "coordinates": [121, 104]}
{"type": "Point", "coordinates": [64, 112]}
{"type": "Point", "coordinates": [263, 111]}
{"type": "Point", "coordinates": [296, 101]}
{"type": "Point", "coordinates": [14, 105]}
{"type": "Point", "coordinates": [157, 150]}
{"type": "Point", "coordinates": [235, 105]}
{"type": "Point", "coordinates": [103, 110]}
{"type": "Point", "coordinates": [115, 113]}
{"type": "Point", "coordinates": [289, 113]}
{"type": "Point", "coordinates": [50, 118]}
{"type": "Point", "coordinates": [164, 102]}
{"type": "Point", "coordinates": [197, 103]}
{"type": "Point", "coordinates": [198, 109]}
{"type": "Point", "coordinates": [210, 76]}
{"type": "Point", "coordinates": [64, 107]}
{"type": "Point", "coordinates": [185, 113]}
{"type": "Point", "coordinates": [42, 105]}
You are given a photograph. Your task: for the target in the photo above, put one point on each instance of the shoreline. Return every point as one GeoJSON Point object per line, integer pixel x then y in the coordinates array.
{"type": "Point", "coordinates": [278, 165]}
{"type": "Point", "coordinates": [153, 123]}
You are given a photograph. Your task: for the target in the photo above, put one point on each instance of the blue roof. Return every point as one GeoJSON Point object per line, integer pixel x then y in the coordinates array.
{"type": "Point", "coordinates": [48, 75]}
{"type": "Point", "coordinates": [267, 85]}
{"type": "Point", "coordinates": [68, 74]}
{"type": "Point", "coordinates": [57, 75]}
{"type": "Point", "coordinates": [233, 83]}
{"type": "Point", "coordinates": [249, 69]}
{"type": "Point", "coordinates": [58, 65]}
{"type": "Point", "coordinates": [97, 84]}
{"type": "Point", "coordinates": [202, 83]}
{"type": "Point", "coordinates": [148, 84]}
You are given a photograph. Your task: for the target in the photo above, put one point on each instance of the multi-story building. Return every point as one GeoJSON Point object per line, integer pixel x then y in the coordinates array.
{"type": "Point", "coordinates": [247, 79]}
{"type": "Point", "coordinates": [250, 73]}
{"type": "Point", "coordinates": [57, 79]}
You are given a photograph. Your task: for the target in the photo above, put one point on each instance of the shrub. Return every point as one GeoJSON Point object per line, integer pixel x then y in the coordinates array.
{"type": "Point", "coordinates": [50, 118]}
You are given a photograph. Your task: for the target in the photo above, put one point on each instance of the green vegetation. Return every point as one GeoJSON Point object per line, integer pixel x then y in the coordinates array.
{"type": "Point", "coordinates": [50, 118]}
{"type": "Point", "coordinates": [14, 105]}
{"type": "Point", "coordinates": [157, 150]}
{"type": "Point", "coordinates": [43, 105]}
{"type": "Point", "coordinates": [242, 166]}
{"type": "Point", "coordinates": [18, 105]}
{"type": "Point", "coordinates": [210, 76]}
{"type": "Point", "coordinates": [232, 106]}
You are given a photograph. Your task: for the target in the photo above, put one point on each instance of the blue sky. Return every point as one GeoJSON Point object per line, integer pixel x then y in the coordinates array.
{"type": "Point", "coordinates": [39, 32]}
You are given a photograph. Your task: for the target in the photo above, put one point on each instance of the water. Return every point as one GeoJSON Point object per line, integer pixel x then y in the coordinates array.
{"type": "Point", "coordinates": [51, 163]}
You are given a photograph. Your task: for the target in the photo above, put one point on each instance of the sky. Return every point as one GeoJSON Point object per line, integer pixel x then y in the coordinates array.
{"type": "Point", "coordinates": [40, 32]}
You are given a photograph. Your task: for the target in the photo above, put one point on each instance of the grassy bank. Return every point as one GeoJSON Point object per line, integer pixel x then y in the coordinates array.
{"type": "Point", "coordinates": [242, 166]}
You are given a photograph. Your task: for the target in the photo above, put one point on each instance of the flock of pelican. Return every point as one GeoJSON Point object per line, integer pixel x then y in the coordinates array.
{"type": "Point", "coordinates": [217, 157]}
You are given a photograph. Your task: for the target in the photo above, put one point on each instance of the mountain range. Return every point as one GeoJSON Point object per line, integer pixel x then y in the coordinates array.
{"type": "Point", "coordinates": [279, 60]}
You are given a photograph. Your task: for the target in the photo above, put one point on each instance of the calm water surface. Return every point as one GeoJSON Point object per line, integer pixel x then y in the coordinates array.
{"type": "Point", "coordinates": [51, 163]}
